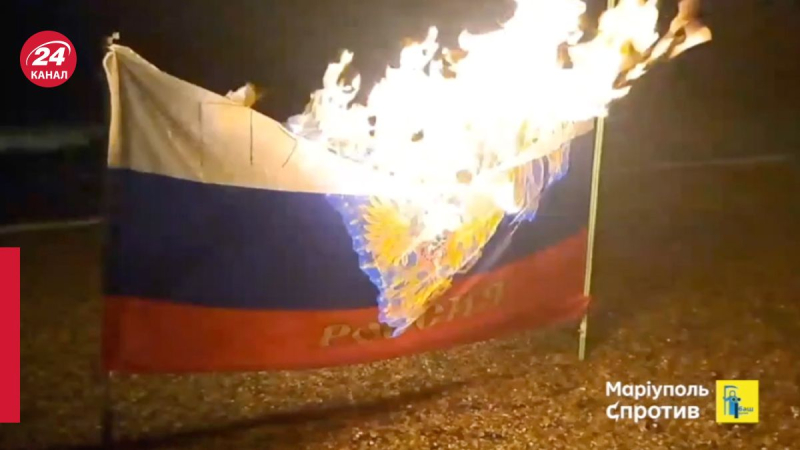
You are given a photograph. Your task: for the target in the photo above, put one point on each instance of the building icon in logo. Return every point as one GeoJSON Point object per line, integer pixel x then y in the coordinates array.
{"type": "Point", "coordinates": [737, 401]}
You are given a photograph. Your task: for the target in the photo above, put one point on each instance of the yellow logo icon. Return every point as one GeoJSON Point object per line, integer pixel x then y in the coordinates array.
{"type": "Point", "coordinates": [737, 401]}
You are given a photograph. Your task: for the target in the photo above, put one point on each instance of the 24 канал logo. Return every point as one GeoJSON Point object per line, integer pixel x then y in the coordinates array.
{"type": "Point", "coordinates": [48, 59]}
{"type": "Point", "coordinates": [737, 401]}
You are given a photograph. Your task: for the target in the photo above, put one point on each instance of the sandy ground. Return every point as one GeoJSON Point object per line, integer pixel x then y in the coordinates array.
{"type": "Point", "coordinates": [696, 280]}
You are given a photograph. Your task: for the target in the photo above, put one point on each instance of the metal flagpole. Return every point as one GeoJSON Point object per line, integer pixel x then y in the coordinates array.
{"type": "Point", "coordinates": [587, 281]}
{"type": "Point", "coordinates": [107, 413]}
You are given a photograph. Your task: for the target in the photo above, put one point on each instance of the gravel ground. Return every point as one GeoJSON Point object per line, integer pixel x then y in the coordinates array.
{"type": "Point", "coordinates": [690, 288]}
{"type": "Point", "coordinates": [696, 280]}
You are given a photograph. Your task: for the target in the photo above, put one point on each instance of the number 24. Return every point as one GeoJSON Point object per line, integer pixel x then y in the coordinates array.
{"type": "Point", "coordinates": [44, 52]}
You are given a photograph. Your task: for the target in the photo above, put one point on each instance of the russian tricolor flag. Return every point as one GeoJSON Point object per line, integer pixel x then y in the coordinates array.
{"type": "Point", "coordinates": [224, 253]}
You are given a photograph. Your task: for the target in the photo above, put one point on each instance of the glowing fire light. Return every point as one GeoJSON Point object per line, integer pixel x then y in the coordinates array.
{"type": "Point", "coordinates": [457, 123]}
{"type": "Point", "coordinates": [436, 115]}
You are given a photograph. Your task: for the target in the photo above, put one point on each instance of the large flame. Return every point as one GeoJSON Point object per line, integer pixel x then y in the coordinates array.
{"type": "Point", "coordinates": [455, 124]}
{"type": "Point", "coordinates": [448, 116]}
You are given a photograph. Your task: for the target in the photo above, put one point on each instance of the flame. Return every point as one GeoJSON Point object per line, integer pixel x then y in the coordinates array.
{"type": "Point", "coordinates": [435, 115]}
{"type": "Point", "coordinates": [466, 118]}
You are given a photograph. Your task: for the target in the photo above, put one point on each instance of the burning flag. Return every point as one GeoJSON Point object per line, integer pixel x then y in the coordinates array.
{"type": "Point", "coordinates": [227, 249]}
{"type": "Point", "coordinates": [476, 137]}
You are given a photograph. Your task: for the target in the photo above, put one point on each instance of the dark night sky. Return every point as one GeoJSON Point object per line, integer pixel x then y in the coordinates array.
{"type": "Point", "coordinates": [221, 44]}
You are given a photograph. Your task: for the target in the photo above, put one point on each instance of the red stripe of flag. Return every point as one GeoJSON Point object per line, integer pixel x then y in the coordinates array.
{"type": "Point", "coordinates": [147, 335]}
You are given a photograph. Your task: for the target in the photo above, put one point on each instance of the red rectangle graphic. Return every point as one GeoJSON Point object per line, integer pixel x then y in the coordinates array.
{"type": "Point", "coordinates": [9, 335]}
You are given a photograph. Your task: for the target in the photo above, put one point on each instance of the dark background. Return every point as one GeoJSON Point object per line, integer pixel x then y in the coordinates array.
{"type": "Point", "coordinates": [746, 76]}
{"type": "Point", "coordinates": [281, 45]}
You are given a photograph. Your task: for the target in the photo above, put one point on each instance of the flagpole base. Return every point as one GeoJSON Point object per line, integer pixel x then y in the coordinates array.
{"type": "Point", "coordinates": [582, 338]}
